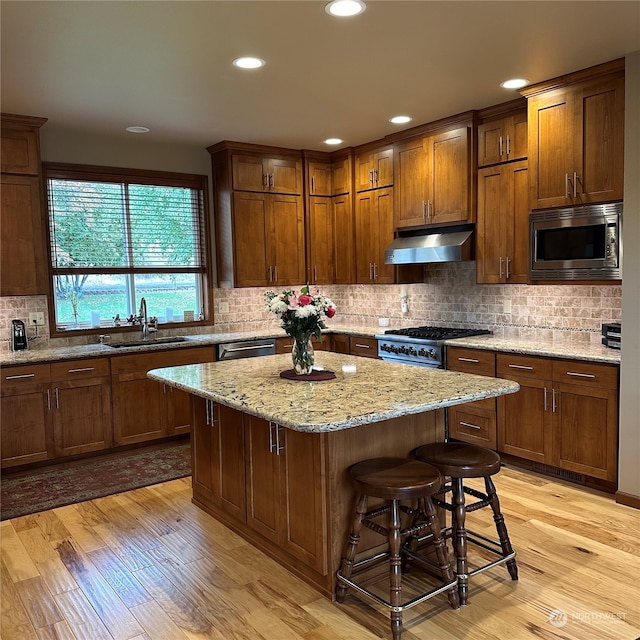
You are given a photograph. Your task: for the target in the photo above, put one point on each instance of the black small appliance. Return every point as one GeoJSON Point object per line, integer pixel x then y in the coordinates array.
{"type": "Point", "coordinates": [18, 336]}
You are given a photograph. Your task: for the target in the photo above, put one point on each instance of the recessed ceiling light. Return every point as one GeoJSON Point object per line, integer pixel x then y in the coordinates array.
{"type": "Point", "coordinates": [333, 141]}
{"type": "Point", "coordinates": [516, 83]}
{"type": "Point", "coordinates": [248, 62]}
{"type": "Point", "coordinates": [400, 119]}
{"type": "Point", "coordinates": [137, 129]}
{"type": "Point", "coordinates": [343, 8]}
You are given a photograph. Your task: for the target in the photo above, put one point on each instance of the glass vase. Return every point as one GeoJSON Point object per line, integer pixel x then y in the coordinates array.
{"type": "Point", "coordinates": [302, 355]}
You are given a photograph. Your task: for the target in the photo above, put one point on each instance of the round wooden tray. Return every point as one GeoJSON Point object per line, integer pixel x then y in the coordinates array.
{"type": "Point", "coordinates": [314, 376]}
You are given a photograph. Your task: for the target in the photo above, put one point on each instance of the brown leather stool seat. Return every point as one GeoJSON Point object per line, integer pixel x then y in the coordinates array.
{"type": "Point", "coordinates": [395, 480]}
{"type": "Point", "coordinates": [459, 461]}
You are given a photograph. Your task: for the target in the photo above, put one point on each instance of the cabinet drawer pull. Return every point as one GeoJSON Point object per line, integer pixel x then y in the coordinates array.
{"type": "Point", "coordinates": [469, 425]}
{"type": "Point", "coordinates": [24, 375]}
{"type": "Point", "coordinates": [580, 375]}
{"type": "Point", "coordinates": [363, 346]}
{"type": "Point", "coordinates": [81, 370]}
{"type": "Point", "coordinates": [520, 366]}
{"type": "Point", "coordinates": [501, 146]}
{"type": "Point", "coordinates": [469, 360]}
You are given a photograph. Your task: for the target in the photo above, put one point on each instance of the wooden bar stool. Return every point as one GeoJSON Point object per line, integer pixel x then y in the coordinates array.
{"type": "Point", "coordinates": [458, 461]}
{"type": "Point", "coordinates": [395, 480]}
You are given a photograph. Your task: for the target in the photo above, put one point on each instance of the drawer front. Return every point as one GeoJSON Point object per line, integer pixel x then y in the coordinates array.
{"type": "Point", "coordinates": [508, 365]}
{"type": "Point", "coordinates": [366, 347]}
{"type": "Point", "coordinates": [585, 373]}
{"type": "Point", "coordinates": [473, 424]}
{"type": "Point", "coordinates": [27, 374]}
{"type": "Point", "coordinates": [90, 368]}
{"type": "Point", "coordinates": [471, 361]}
{"type": "Point", "coordinates": [143, 362]}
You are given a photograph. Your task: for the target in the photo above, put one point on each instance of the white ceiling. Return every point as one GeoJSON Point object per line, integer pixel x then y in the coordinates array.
{"type": "Point", "coordinates": [100, 66]}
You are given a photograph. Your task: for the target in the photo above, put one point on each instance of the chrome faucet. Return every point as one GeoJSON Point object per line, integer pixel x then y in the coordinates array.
{"type": "Point", "coordinates": [144, 321]}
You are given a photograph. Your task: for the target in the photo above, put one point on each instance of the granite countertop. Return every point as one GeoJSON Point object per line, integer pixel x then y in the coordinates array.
{"type": "Point", "coordinates": [578, 349]}
{"type": "Point", "coordinates": [365, 390]}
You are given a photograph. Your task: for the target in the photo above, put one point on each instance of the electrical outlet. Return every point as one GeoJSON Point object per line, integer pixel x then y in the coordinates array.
{"type": "Point", "coordinates": [37, 318]}
{"type": "Point", "coordinates": [506, 306]}
{"type": "Point", "coordinates": [223, 307]}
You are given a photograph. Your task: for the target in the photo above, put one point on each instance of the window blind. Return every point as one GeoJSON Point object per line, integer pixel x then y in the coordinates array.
{"type": "Point", "coordinates": [111, 225]}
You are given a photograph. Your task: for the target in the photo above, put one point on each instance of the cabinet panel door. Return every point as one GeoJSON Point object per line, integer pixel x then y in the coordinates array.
{"type": "Point", "coordinates": [204, 453]}
{"type": "Point", "coordinates": [341, 176]}
{"type": "Point", "coordinates": [23, 261]}
{"type": "Point", "coordinates": [285, 176]}
{"type": "Point", "coordinates": [517, 137]}
{"type": "Point", "coordinates": [250, 173]}
{"type": "Point", "coordinates": [517, 237]}
{"type": "Point", "coordinates": [449, 165]}
{"type": "Point", "coordinates": [364, 172]}
{"type": "Point", "coordinates": [383, 273]}
{"type": "Point", "coordinates": [26, 435]}
{"type": "Point", "coordinates": [383, 168]}
{"type": "Point", "coordinates": [20, 152]}
{"type": "Point", "coordinates": [262, 473]}
{"type": "Point", "coordinates": [366, 236]}
{"type": "Point", "coordinates": [473, 424]}
{"type": "Point", "coordinates": [320, 179]}
{"type": "Point", "coordinates": [411, 178]}
{"type": "Point", "coordinates": [82, 416]}
{"type": "Point", "coordinates": [320, 241]}
{"type": "Point", "coordinates": [343, 240]}
{"type": "Point", "coordinates": [287, 240]}
{"type": "Point", "coordinates": [179, 413]}
{"type": "Point", "coordinates": [231, 463]}
{"type": "Point", "coordinates": [304, 513]}
{"type": "Point", "coordinates": [522, 420]}
{"type": "Point", "coordinates": [491, 142]}
{"type": "Point", "coordinates": [551, 148]}
{"type": "Point", "coordinates": [139, 409]}
{"type": "Point", "coordinates": [250, 239]}
{"type": "Point", "coordinates": [490, 244]}
{"type": "Point", "coordinates": [585, 431]}
{"type": "Point", "coordinates": [600, 136]}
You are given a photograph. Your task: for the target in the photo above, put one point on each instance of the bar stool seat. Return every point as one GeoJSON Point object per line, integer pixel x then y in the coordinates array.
{"type": "Point", "coordinates": [459, 461]}
{"type": "Point", "coordinates": [395, 480]}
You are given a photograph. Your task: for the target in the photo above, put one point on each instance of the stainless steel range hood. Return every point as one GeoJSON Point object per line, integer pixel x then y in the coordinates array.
{"type": "Point", "coordinates": [437, 245]}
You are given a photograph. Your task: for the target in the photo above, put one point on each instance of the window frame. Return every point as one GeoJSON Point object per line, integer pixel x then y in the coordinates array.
{"type": "Point", "coordinates": [96, 173]}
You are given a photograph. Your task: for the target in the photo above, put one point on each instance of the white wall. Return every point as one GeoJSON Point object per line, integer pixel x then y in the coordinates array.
{"type": "Point", "coordinates": [629, 449]}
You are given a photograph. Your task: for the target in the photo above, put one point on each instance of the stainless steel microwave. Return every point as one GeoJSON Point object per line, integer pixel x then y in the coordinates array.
{"type": "Point", "coordinates": [577, 243]}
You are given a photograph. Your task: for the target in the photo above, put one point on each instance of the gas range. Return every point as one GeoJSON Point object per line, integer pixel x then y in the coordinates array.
{"type": "Point", "coordinates": [420, 346]}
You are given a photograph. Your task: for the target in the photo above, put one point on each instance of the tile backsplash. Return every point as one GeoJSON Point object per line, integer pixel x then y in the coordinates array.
{"type": "Point", "coordinates": [448, 296]}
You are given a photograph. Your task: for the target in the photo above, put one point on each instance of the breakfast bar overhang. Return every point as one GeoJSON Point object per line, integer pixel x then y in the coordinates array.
{"type": "Point", "coordinates": [270, 456]}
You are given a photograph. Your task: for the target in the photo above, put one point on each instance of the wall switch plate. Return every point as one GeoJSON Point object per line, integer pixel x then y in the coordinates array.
{"type": "Point", "coordinates": [223, 307]}
{"type": "Point", "coordinates": [506, 306]}
{"type": "Point", "coordinates": [37, 318]}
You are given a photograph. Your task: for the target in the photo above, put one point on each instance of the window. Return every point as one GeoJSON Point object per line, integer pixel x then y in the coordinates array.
{"type": "Point", "coordinates": [116, 237]}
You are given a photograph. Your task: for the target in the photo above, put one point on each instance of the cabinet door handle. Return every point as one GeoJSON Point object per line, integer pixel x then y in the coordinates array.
{"type": "Point", "coordinates": [429, 210]}
{"type": "Point", "coordinates": [57, 392]}
{"type": "Point", "coordinates": [279, 447]}
{"type": "Point", "coordinates": [375, 270]}
{"type": "Point", "coordinates": [424, 210]}
{"type": "Point", "coordinates": [371, 271]}
{"type": "Point", "coordinates": [275, 273]}
{"type": "Point", "coordinates": [80, 370]}
{"type": "Point", "coordinates": [270, 436]}
{"type": "Point", "coordinates": [508, 263]}
{"type": "Point", "coordinates": [500, 144]}
{"type": "Point", "coordinates": [363, 346]}
{"type": "Point", "coordinates": [272, 182]}
{"type": "Point", "coordinates": [48, 400]}
{"type": "Point", "coordinates": [24, 375]}
{"type": "Point", "coordinates": [580, 375]}
{"type": "Point", "coordinates": [313, 184]}
{"type": "Point", "coordinates": [206, 406]}
{"type": "Point", "coordinates": [520, 366]}
{"type": "Point", "coordinates": [554, 404]}
{"type": "Point", "coordinates": [575, 184]}
{"type": "Point", "coordinates": [566, 186]}
{"type": "Point", "coordinates": [469, 360]}
{"type": "Point", "coordinates": [508, 145]}
{"type": "Point", "coordinates": [500, 260]}
{"type": "Point", "coordinates": [265, 180]}
{"type": "Point", "coordinates": [545, 398]}
{"type": "Point", "coordinates": [469, 425]}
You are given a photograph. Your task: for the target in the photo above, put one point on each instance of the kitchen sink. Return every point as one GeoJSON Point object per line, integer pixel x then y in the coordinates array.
{"type": "Point", "coordinates": [149, 343]}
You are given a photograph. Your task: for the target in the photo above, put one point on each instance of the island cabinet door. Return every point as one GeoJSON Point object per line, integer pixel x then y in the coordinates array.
{"type": "Point", "coordinates": [204, 454]}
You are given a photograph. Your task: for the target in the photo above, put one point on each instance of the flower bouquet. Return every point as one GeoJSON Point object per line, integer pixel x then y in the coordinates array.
{"type": "Point", "coordinates": [302, 316]}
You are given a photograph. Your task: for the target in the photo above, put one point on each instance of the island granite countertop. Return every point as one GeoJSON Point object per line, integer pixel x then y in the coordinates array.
{"type": "Point", "coordinates": [364, 390]}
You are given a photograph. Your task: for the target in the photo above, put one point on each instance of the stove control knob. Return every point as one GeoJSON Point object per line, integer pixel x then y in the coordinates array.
{"type": "Point", "coordinates": [422, 352]}
{"type": "Point", "coordinates": [432, 353]}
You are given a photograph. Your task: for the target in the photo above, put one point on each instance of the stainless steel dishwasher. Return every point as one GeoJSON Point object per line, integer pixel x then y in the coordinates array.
{"type": "Point", "coordinates": [246, 349]}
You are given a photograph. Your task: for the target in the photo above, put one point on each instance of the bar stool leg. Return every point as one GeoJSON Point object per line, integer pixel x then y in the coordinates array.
{"type": "Point", "coordinates": [441, 550]}
{"type": "Point", "coordinates": [501, 528]}
{"type": "Point", "coordinates": [395, 574]}
{"type": "Point", "coordinates": [460, 535]}
{"type": "Point", "coordinates": [346, 566]}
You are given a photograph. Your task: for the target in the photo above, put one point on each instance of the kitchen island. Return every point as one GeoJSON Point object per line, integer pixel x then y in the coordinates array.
{"type": "Point", "coordinates": [270, 456]}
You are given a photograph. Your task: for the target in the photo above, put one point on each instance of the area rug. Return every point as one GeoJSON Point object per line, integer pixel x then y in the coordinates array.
{"type": "Point", "coordinates": [47, 489]}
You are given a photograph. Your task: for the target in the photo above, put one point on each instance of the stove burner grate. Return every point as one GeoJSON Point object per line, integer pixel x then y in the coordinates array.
{"type": "Point", "coordinates": [437, 333]}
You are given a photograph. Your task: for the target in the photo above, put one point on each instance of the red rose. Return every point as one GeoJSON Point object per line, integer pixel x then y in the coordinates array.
{"type": "Point", "coordinates": [330, 312]}
{"type": "Point", "coordinates": [303, 300]}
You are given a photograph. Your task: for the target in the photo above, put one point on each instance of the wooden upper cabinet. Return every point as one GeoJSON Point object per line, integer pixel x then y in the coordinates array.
{"type": "Point", "coordinates": [343, 240]}
{"type": "Point", "coordinates": [319, 178]}
{"type": "Point", "coordinates": [576, 141]}
{"type": "Point", "coordinates": [502, 248]}
{"type": "Point", "coordinates": [320, 242]}
{"type": "Point", "coordinates": [502, 140]}
{"type": "Point", "coordinates": [341, 170]}
{"type": "Point", "coordinates": [266, 174]}
{"type": "Point", "coordinates": [411, 173]}
{"type": "Point", "coordinates": [374, 169]}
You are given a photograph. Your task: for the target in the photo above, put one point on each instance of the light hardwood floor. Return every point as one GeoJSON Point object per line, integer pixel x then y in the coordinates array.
{"type": "Point", "coordinates": [149, 565]}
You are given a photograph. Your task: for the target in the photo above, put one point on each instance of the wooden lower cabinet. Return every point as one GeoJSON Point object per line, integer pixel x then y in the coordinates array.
{"type": "Point", "coordinates": [363, 346]}
{"type": "Point", "coordinates": [340, 343]}
{"type": "Point", "coordinates": [146, 410]}
{"type": "Point", "coordinates": [81, 406]}
{"type": "Point", "coordinates": [25, 406]}
{"type": "Point", "coordinates": [285, 345]}
{"type": "Point", "coordinates": [565, 414]}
